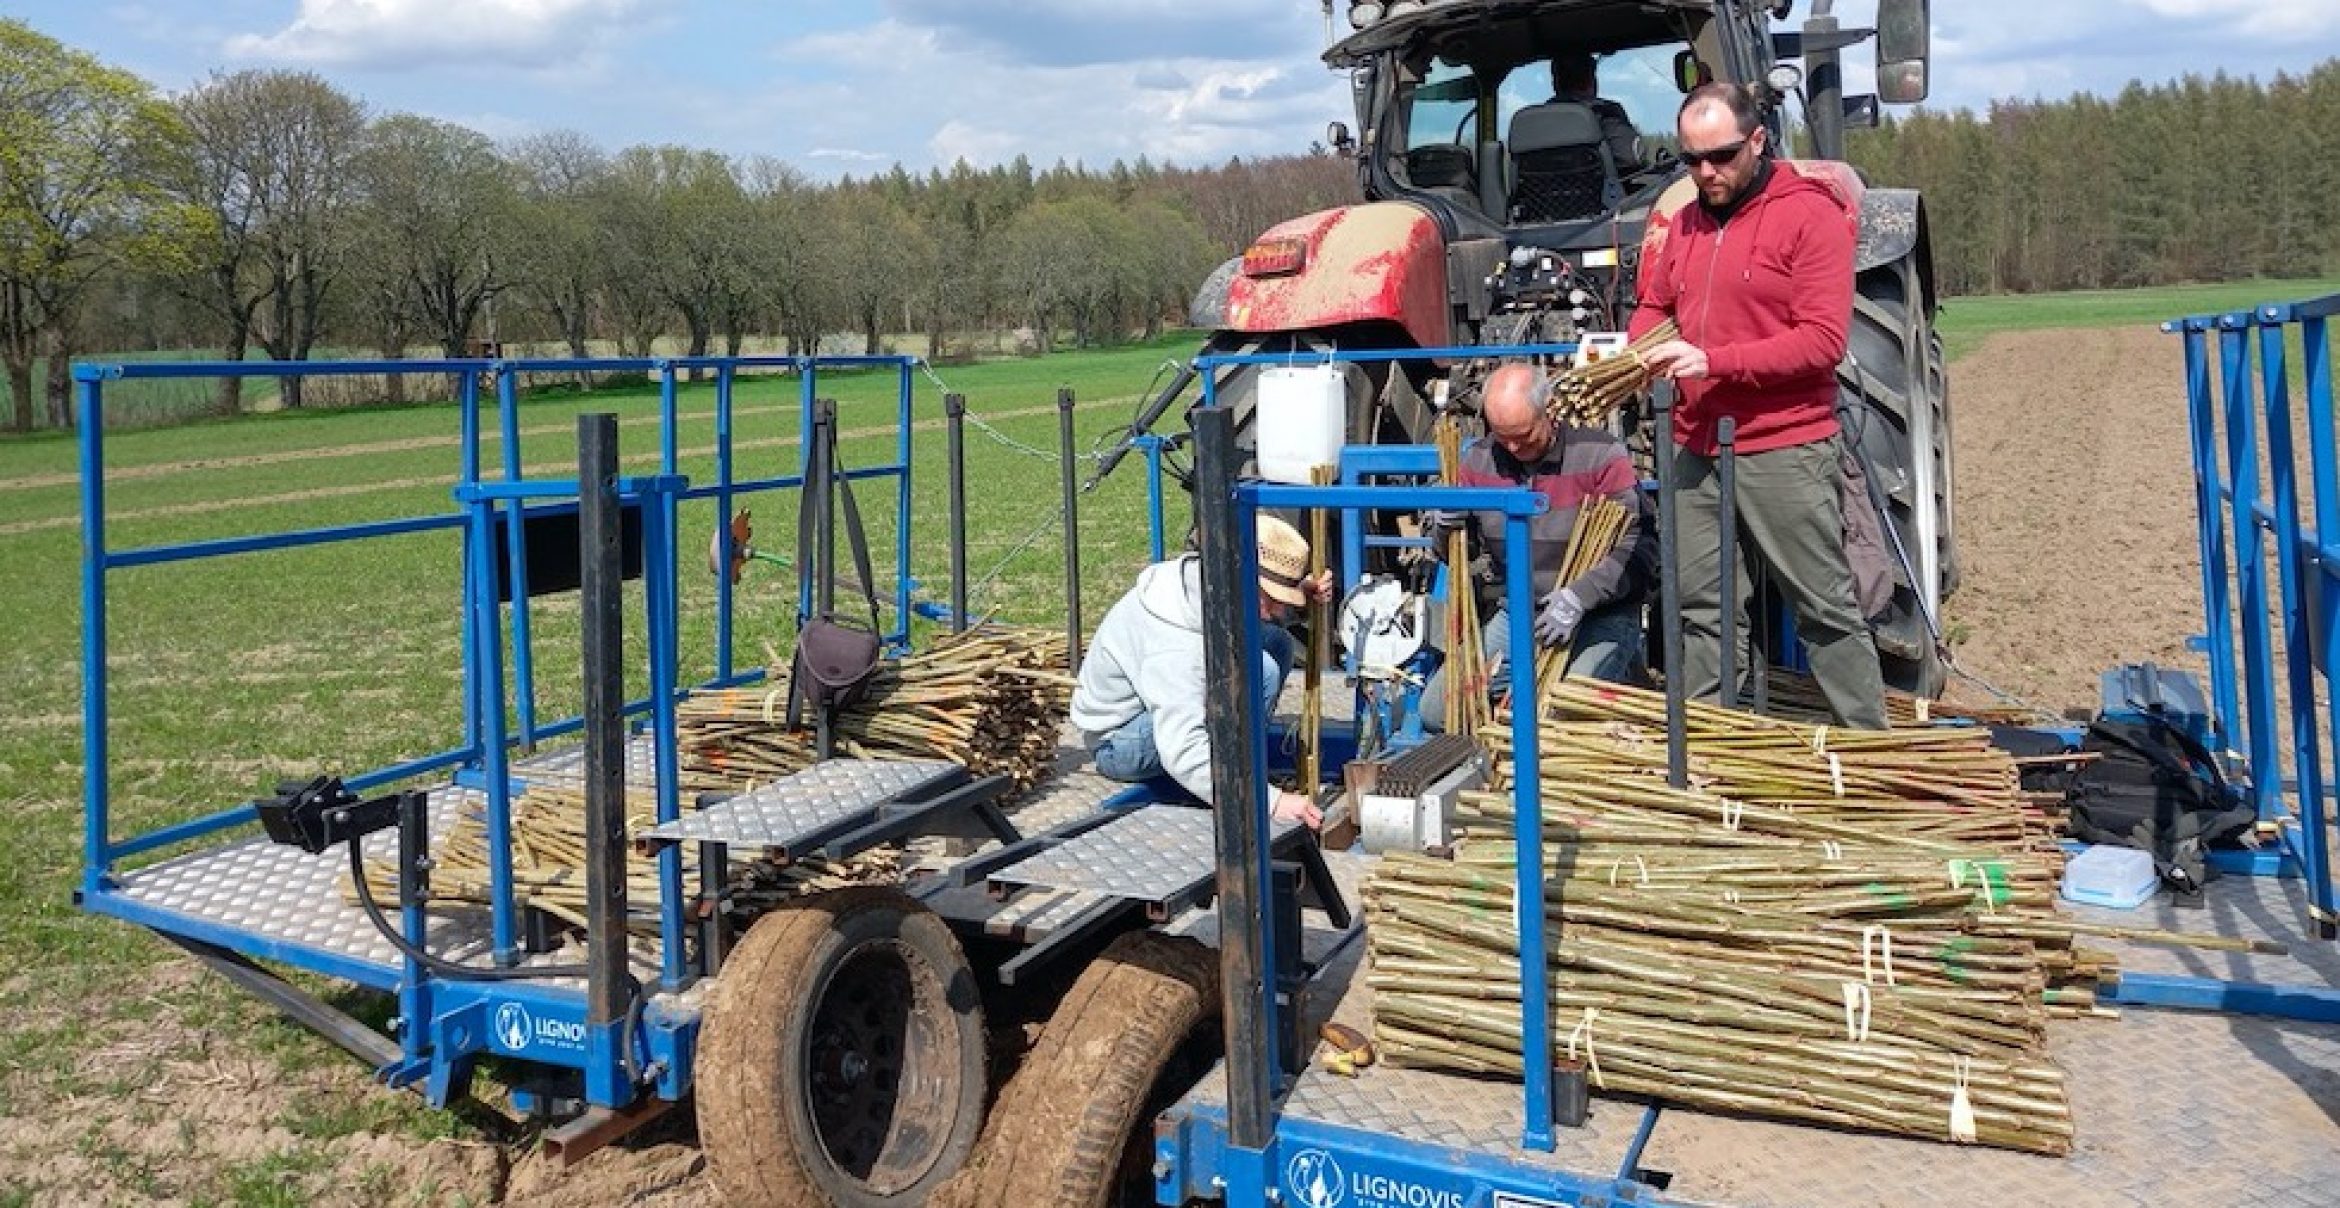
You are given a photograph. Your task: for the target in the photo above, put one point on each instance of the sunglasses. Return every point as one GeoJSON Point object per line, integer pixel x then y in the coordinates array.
{"type": "Point", "coordinates": [1719, 157]}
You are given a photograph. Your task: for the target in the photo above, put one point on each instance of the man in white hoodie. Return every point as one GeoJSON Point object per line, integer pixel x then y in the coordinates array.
{"type": "Point", "coordinates": [1139, 705]}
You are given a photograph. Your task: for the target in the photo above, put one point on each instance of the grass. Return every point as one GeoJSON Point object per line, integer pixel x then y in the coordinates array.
{"type": "Point", "coordinates": [229, 673]}
{"type": "Point", "coordinates": [1966, 322]}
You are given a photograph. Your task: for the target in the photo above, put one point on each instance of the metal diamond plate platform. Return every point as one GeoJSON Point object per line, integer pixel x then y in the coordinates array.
{"type": "Point", "coordinates": [1156, 853]}
{"type": "Point", "coordinates": [286, 895]}
{"type": "Point", "coordinates": [780, 814]}
{"type": "Point", "coordinates": [2168, 1106]}
{"type": "Point", "coordinates": [2268, 907]}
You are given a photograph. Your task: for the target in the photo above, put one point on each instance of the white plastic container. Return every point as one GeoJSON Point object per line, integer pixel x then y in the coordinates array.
{"type": "Point", "coordinates": [1302, 420]}
{"type": "Point", "coordinates": [2105, 875]}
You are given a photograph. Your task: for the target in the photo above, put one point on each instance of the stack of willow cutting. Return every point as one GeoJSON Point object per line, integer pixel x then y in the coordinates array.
{"type": "Point", "coordinates": [548, 865]}
{"type": "Point", "coordinates": [1797, 697]}
{"type": "Point", "coordinates": [1586, 394]}
{"type": "Point", "coordinates": [993, 698]}
{"type": "Point", "coordinates": [1845, 928]}
{"type": "Point", "coordinates": [1466, 699]}
{"type": "Point", "coordinates": [1601, 523]}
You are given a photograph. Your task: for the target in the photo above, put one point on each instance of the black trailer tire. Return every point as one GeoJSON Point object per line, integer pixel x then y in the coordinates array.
{"type": "Point", "coordinates": [1071, 1127]}
{"type": "Point", "coordinates": [1883, 399]}
{"type": "Point", "coordinates": [842, 1056]}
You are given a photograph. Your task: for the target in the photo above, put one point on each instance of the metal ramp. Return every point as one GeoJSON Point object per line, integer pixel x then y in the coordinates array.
{"type": "Point", "coordinates": [837, 807]}
{"type": "Point", "coordinates": [1160, 856]}
{"type": "Point", "coordinates": [288, 903]}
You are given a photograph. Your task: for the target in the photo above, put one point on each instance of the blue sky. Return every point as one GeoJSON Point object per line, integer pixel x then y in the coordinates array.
{"type": "Point", "coordinates": [838, 86]}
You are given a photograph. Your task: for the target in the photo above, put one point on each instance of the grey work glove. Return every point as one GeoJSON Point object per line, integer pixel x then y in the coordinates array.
{"type": "Point", "coordinates": [1557, 622]}
{"type": "Point", "coordinates": [1438, 522]}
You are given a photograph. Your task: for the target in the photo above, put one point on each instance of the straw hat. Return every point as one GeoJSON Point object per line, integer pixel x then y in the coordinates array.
{"type": "Point", "coordinates": [1283, 562]}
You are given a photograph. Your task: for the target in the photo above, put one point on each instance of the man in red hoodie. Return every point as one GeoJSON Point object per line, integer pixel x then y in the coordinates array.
{"type": "Point", "coordinates": [1759, 277]}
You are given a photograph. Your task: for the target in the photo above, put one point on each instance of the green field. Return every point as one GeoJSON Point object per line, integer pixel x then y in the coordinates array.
{"type": "Point", "coordinates": [230, 673]}
{"type": "Point", "coordinates": [1965, 322]}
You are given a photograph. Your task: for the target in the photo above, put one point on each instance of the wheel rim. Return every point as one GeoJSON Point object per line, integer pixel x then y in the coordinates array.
{"type": "Point", "coordinates": [881, 1072]}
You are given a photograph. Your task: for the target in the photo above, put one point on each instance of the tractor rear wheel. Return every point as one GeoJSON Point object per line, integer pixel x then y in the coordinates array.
{"type": "Point", "coordinates": [842, 1059]}
{"type": "Point", "coordinates": [1894, 393]}
{"type": "Point", "coordinates": [1072, 1128]}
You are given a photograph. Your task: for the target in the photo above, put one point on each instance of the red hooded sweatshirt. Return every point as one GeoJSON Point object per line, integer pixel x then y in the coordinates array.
{"type": "Point", "coordinates": [1767, 294]}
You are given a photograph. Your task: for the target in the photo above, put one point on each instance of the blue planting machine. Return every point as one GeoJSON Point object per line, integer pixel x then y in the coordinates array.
{"type": "Point", "coordinates": [866, 1017]}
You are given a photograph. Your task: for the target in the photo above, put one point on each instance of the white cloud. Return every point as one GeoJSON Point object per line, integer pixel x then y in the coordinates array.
{"type": "Point", "coordinates": [2270, 19]}
{"type": "Point", "coordinates": [850, 154]}
{"type": "Point", "coordinates": [411, 34]}
{"type": "Point", "coordinates": [912, 88]}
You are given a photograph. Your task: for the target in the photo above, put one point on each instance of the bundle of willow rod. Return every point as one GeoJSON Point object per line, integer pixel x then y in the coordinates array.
{"type": "Point", "coordinates": [993, 698]}
{"type": "Point", "coordinates": [548, 865]}
{"type": "Point", "coordinates": [1796, 696]}
{"type": "Point", "coordinates": [1731, 1005]}
{"type": "Point", "coordinates": [1467, 708]}
{"type": "Point", "coordinates": [1586, 394]}
{"type": "Point", "coordinates": [1946, 786]}
{"type": "Point", "coordinates": [1600, 525]}
{"type": "Point", "coordinates": [1828, 926]}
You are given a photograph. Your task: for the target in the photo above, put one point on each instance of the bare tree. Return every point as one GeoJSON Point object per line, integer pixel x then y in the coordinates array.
{"type": "Point", "coordinates": [267, 158]}
{"type": "Point", "coordinates": [699, 231]}
{"type": "Point", "coordinates": [445, 202]}
{"type": "Point", "coordinates": [557, 253]}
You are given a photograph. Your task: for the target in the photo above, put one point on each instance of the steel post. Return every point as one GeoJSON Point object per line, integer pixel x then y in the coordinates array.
{"type": "Point", "coordinates": [1670, 589]}
{"type": "Point", "coordinates": [1072, 529]}
{"type": "Point", "coordinates": [1726, 478]}
{"type": "Point", "coordinates": [955, 428]}
{"type": "Point", "coordinates": [1230, 705]}
{"type": "Point", "coordinates": [603, 603]}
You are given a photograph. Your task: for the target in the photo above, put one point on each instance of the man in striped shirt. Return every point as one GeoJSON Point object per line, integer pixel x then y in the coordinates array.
{"type": "Point", "coordinates": [1597, 618]}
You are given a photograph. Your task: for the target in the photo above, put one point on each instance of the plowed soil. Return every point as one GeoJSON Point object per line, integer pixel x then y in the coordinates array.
{"type": "Point", "coordinates": [2075, 512]}
{"type": "Point", "coordinates": [2075, 521]}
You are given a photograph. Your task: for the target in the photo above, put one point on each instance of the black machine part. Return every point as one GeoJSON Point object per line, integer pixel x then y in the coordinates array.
{"type": "Point", "coordinates": [316, 814]}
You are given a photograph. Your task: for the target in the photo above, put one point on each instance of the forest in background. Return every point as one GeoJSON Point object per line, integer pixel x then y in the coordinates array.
{"type": "Point", "coordinates": [272, 214]}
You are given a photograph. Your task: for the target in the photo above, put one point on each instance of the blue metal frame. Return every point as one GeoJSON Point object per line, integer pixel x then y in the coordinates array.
{"type": "Point", "coordinates": [1192, 1161]}
{"type": "Point", "coordinates": [2250, 497]}
{"type": "Point", "coordinates": [456, 1021]}
{"type": "Point", "coordinates": [1201, 1155]}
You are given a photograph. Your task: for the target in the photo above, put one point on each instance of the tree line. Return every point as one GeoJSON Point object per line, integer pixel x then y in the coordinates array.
{"type": "Point", "coordinates": [269, 213]}
{"type": "Point", "coordinates": [2204, 179]}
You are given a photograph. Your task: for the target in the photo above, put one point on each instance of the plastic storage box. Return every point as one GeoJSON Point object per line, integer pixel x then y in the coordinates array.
{"type": "Point", "coordinates": [2104, 875]}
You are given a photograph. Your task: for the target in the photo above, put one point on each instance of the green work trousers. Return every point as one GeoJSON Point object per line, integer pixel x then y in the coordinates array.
{"type": "Point", "coordinates": [1790, 508]}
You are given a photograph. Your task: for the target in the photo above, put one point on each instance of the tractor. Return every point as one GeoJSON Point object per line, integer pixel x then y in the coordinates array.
{"type": "Point", "coordinates": [1496, 214]}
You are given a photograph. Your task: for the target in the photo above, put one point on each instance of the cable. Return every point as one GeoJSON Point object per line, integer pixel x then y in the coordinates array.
{"type": "Point", "coordinates": [458, 971]}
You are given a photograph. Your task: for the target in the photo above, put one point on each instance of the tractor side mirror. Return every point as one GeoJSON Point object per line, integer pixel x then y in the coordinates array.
{"type": "Point", "coordinates": [1904, 41]}
{"type": "Point", "coordinates": [1336, 136]}
{"type": "Point", "coordinates": [1862, 112]}
{"type": "Point", "coordinates": [1689, 73]}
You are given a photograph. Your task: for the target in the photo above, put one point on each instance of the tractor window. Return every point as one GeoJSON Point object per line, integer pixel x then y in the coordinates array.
{"type": "Point", "coordinates": [1442, 108]}
{"type": "Point", "coordinates": [1640, 79]}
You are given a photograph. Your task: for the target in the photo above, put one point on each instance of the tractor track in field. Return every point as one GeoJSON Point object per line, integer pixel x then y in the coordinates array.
{"type": "Point", "coordinates": [51, 523]}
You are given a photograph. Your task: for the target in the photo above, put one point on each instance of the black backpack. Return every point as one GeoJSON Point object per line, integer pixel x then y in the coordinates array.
{"type": "Point", "coordinates": [2153, 787]}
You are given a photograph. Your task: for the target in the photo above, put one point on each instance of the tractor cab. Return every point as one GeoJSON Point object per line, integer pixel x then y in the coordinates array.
{"type": "Point", "coordinates": [1525, 128]}
{"type": "Point", "coordinates": [1550, 123]}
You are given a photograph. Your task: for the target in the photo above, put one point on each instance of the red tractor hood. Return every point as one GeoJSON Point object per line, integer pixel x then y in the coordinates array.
{"type": "Point", "coordinates": [1379, 262]}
